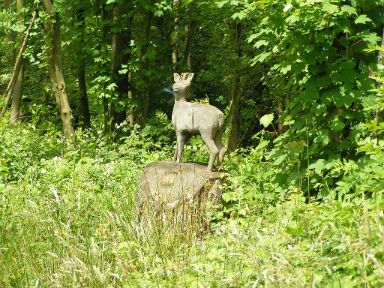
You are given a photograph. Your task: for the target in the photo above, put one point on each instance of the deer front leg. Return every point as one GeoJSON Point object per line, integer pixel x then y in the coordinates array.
{"type": "Point", "coordinates": [175, 156]}
{"type": "Point", "coordinates": [181, 139]}
{"type": "Point", "coordinates": [213, 149]}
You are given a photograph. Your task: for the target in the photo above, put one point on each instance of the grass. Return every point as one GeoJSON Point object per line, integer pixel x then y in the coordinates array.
{"type": "Point", "coordinates": [67, 221]}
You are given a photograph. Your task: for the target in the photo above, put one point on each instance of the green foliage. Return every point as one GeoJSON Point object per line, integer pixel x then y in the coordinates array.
{"type": "Point", "coordinates": [266, 120]}
{"type": "Point", "coordinates": [66, 221]}
{"type": "Point", "coordinates": [320, 50]}
{"type": "Point", "coordinates": [303, 203]}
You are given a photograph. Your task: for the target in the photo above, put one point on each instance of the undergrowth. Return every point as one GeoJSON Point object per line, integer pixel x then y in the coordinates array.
{"type": "Point", "coordinates": [66, 220]}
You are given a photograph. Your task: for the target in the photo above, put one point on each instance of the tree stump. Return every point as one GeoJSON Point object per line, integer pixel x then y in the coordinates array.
{"type": "Point", "coordinates": [178, 193]}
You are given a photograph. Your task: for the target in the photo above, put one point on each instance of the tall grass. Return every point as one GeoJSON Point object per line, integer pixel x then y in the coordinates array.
{"type": "Point", "coordinates": [68, 220]}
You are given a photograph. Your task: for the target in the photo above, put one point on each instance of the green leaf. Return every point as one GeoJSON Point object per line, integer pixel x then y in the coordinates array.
{"type": "Point", "coordinates": [280, 159]}
{"type": "Point", "coordinates": [322, 138]}
{"type": "Point", "coordinates": [337, 125]}
{"type": "Point", "coordinates": [362, 19]}
{"type": "Point", "coordinates": [227, 197]}
{"type": "Point", "coordinates": [286, 69]}
{"type": "Point", "coordinates": [371, 38]}
{"type": "Point", "coordinates": [266, 120]}
{"type": "Point", "coordinates": [320, 165]}
{"type": "Point", "coordinates": [252, 38]}
{"type": "Point", "coordinates": [293, 19]}
{"type": "Point", "coordinates": [330, 8]}
{"type": "Point", "coordinates": [262, 57]}
{"type": "Point", "coordinates": [112, 87]}
{"type": "Point", "coordinates": [221, 3]}
{"type": "Point", "coordinates": [349, 10]}
{"type": "Point", "coordinates": [123, 71]}
{"type": "Point", "coordinates": [239, 15]}
{"type": "Point", "coordinates": [186, 2]}
{"type": "Point", "coordinates": [260, 43]}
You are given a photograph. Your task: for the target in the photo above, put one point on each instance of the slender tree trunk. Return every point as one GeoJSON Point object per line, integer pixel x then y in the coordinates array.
{"type": "Point", "coordinates": [175, 34]}
{"type": "Point", "coordinates": [234, 115]}
{"type": "Point", "coordinates": [146, 67]}
{"type": "Point", "coordinates": [104, 39]}
{"type": "Point", "coordinates": [10, 53]}
{"type": "Point", "coordinates": [18, 90]}
{"type": "Point", "coordinates": [188, 45]}
{"type": "Point", "coordinates": [16, 100]}
{"type": "Point", "coordinates": [9, 39]}
{"type": "Point", "coordinates": [119, 43]}
{"type": "Point", "coordinates": [18, 63]}
{"type": "Point", "coordinates": [380, 60]}
{"type": "Point", "coordinates": [280, 126]}
{"type": "Point", "coordinates": [84, 104]}
{"type": "Point", "coordinates": [55, 67]}
{"type": "Point", "coordinates": [235, 96]}
{"type": "Point", "coordinates": [130, 117]}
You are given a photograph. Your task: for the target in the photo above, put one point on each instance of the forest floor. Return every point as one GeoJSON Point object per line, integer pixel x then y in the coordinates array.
{"type": "Point", "coordinates": [66, 221]}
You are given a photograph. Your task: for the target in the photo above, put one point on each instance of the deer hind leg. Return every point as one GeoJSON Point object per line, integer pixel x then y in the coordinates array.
{"type": "Point", "coordinates": [212, 148]}
{"type": "Point", "coordinates": [220, 146]}
{"type": "Point", "coordinates": [222, 150]}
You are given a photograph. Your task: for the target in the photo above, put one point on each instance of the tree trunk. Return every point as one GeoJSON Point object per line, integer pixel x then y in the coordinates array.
{"type": "Point", "coordinates": [234, 115]}
{"type": "Point", "coordinates": [380, 60]}
{"type": "Point", "coordinates": [16, 100]}
{"type": "Point", "coordinates": [146, 67]}
{"type": "Point", "coordinates": [188, 45]}
{"type": "Point", "coordinates": [18, 90]}
{"type": "Point", "coordinates": [280, 126]}
{"type": "Point", "coordinates": [10, 53]}
{"type": "Point", "coordinates": [84, 104]}
{"type": "Point", "coordinates": [104, 39]}
{"type": "Point", "coordinates": [18, 63]}
{"type": "Point", "coordinates": [130, 117]}
{"type": "Point", "coordinates": [119, 43]}
{"type": "Point", "coordinates": [235, 95]}
{"type": "Point", "coordinates": [55, 68]}
{"type": "Point", "coordinates": [175, 34]}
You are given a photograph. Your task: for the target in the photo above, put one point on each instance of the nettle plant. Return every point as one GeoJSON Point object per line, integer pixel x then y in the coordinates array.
{"type": "Point", "coordinates": [316, 49]}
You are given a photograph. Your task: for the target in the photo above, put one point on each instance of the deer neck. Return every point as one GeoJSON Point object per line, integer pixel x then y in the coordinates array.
{"type": "Point", "coordinates": [180, 103]}
{"type": "Point", "coordinates": [181, 97]}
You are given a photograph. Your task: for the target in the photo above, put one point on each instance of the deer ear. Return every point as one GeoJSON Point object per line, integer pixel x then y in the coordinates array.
{"type": "Point", "coordinates": [177, 77]}
{"type": "Point", "coordinates": [190, 76]}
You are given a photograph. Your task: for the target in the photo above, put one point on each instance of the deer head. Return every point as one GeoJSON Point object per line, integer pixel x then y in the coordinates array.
{"type": "Point", "coordinates": [181, 85]}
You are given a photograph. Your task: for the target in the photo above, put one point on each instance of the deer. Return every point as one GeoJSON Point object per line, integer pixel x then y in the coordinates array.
{"type": "Point", "coordinates": [189, 119]}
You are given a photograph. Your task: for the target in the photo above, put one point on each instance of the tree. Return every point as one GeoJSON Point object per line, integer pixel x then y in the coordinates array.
{"type": "Point", "coordinates": [81, 63]}
{"type": "Point", "coordinates": [55, 67]}
{"type": "Point", "coordinates": [17, 91]}
{"type": "Point", "coordinates": [236, 91]}
{"type": "Point", "coordinates": [18, 63]}
{"type": "Point", "coordinates": [120, 42]}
